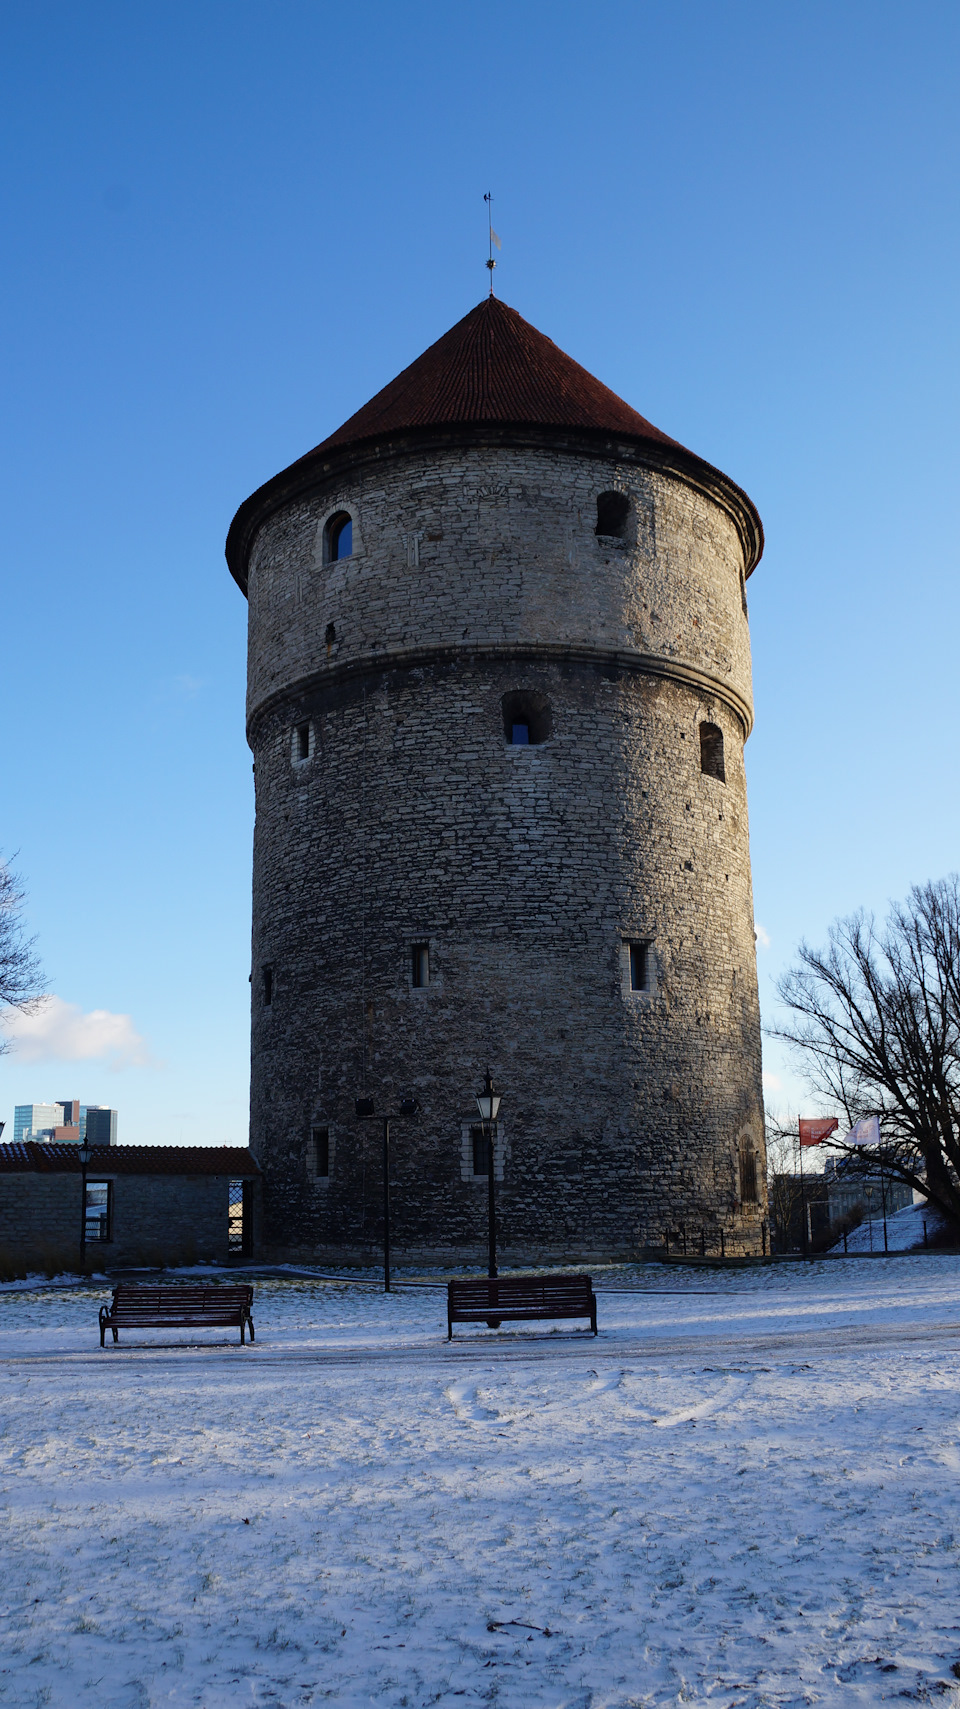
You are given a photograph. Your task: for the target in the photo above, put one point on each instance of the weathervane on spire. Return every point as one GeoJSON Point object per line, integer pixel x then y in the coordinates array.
{"type": "Point", "coordinates": [493, 238]}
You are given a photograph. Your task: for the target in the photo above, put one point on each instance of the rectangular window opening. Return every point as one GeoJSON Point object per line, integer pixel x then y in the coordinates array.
{"type": "Point", "coordinates": [480, 1137]}
{"type": "Point", "coordinates": [748, 1175]}
{"type": "Point", "coordinates": [521, 735]}
{"type": "Point", "coordinates": [320, 1144]}
{"type": "Point", "coordinates": [235, 1217]}
{"type": "Point", "coordinates": [303, 741]}
{"type": "Point", "coordinates": [640, 966]}
{"type": "Point", "coordinates": [98, 1211]}
{"type": "Point", "coordinates": [267, 984]}
{"type": "Point", "coordinates": [420, 965]}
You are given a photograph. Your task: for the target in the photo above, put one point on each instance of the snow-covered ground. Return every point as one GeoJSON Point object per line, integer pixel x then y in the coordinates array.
{"type": "Point", "coordinates": [904, 1231]}
{"type": "Point", "coordinates": [743, 1493]}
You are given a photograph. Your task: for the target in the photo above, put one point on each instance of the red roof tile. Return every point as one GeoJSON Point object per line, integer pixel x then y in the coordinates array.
{"type": "Point", "coordinates": [235, 1161]}
{"type": "Point", "coordinates": [493, 366]}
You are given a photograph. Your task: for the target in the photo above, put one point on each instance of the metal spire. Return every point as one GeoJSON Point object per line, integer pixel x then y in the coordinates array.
{"type": "Point", "coordinates": [492, 237]}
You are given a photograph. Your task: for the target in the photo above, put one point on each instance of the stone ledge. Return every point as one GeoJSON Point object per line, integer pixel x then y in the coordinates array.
{"type": "Point", "coordinates": [416, 658]}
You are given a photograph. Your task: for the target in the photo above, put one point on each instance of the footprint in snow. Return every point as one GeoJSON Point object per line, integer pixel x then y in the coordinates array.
{"type": "Point", "coordinates": [730, 1392]}
{"type": "Point", "coordinates": [463, 1399]}
{"type": "Point", "coordinates": [604, 1384]}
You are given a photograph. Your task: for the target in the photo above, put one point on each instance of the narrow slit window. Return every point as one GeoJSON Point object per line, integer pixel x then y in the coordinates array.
{"type": "Point", "coordinates": [711, 752]}
{"type": "Point", "coordinates": [420, 966]}
{"type": "Point", "coordinates": [303, 742]}
{"type": "Point", "coordinates": [748, 1174]}
{"type": "Point", "coordinates": [320, 1152]}
{"type": "Point", "coordinates": [267, 987]}
{"type": "Point", "coordinates": [640, 959]}
{"type": "Point", "coordinates": [481, 1137]}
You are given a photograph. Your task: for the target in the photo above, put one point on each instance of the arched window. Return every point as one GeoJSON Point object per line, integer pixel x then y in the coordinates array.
{"type": "Point", "coordinates": [526, 718]}
{"type": "Point", "coordinates": [711, 751]}
{"type": "Point", "coordinates": [338, 537]}
{"type": "Point", "coordinates": [748, 1173]}
{"type": "Point", "coordinates": [613, 515]}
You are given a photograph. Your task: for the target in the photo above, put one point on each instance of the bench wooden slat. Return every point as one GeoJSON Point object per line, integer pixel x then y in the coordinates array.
{"type": "Point", "coordinates": [514, 1299]}
{"type": "Point", "coordinates": [178, 1305]}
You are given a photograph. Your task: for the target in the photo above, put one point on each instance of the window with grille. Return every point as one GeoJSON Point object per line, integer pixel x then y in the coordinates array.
{"type": "Point", "coordinates": [748, 1173]}
{"type": "Point", "coordinates": [711, 751]}
{"type": "Point", "coordinates": [235, 1228]}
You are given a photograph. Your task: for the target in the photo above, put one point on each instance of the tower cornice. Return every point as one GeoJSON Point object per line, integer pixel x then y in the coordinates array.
{"type": "Point", "coordinates": [318, 471]}
{"type": "Point", "coordinates": [610, 660]}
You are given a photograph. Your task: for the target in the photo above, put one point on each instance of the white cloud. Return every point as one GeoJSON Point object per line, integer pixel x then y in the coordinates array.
{"type": "Point", "coordinates": [60, 1032]}
{"type": "Point", "coordinates": [763, 938]}
{"type": "Point", "coordinates": [771, 1082]}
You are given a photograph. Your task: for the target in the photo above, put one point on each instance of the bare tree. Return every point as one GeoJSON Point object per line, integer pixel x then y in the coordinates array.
{"type": "Point", "coordinates": [783, 1181]}
{"type": "Point", "coordinates": [21, 984]}
{"type": "Point", "coordinates": [876, 1020]}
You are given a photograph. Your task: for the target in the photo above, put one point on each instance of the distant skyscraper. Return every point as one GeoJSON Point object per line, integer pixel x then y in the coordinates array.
{"type": "Point", "coordinates": [100, 1125]}
{"type": "Point", "coordinates": [65, 1123]}
{"type": "Point", "coordinates": [36, 1121]}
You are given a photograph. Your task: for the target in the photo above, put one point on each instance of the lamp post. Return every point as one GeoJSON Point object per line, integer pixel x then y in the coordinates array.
{"type": "Point", "coordinates": [488, 1103]}
{"type": "Point", "coordinates": [84, 1155]}
{"type": "Point", "coordinates": [408, 1108]}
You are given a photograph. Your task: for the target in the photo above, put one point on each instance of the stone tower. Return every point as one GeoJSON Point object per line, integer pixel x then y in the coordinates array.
{"type": "Point", "coordinates": [499, 689]}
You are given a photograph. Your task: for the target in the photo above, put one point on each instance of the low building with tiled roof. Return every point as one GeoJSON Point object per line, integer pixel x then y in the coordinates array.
{"type": "Point", "coordinates": [139, 1204]}
{"type": "Point", "coordinates": [499, 688]}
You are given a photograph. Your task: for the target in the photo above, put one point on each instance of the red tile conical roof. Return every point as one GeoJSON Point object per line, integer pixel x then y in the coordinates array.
{"type": "Point", "coordinates": [493, 366]}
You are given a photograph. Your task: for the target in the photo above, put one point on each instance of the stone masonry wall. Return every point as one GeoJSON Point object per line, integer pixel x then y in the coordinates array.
{"type": "Point", "coordinates": [156, 1218]}
{"type": "Point", "coordinates": [527, 870]}
{"type": "Point", "coordinates": [498, 546]}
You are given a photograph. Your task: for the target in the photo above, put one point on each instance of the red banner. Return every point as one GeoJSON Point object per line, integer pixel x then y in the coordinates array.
{"type": "Point", "coordinates": [815, 1131]}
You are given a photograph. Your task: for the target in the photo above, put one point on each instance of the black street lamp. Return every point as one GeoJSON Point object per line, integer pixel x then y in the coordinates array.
{"type": "Point", "coordinates": [84, 1155]}
{"type": "Point", "coordinates": [488, 1103]}
{"type": "Point", "coordinates": [407, 1108]}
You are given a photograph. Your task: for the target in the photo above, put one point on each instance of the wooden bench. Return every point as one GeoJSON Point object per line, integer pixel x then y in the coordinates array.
{"type": "Point", "coordinates": [182, 1305]}
{"type": "Point", "coordinates": [514, 1299]}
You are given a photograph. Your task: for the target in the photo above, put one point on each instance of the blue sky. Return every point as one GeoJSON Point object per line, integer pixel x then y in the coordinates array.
{"type": "Point", "coordinates": [226, 225]}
